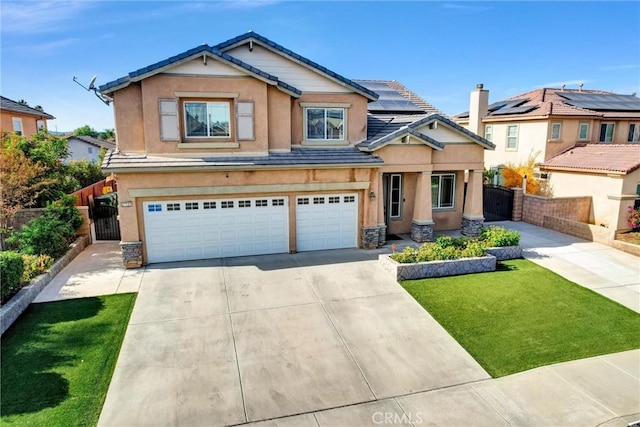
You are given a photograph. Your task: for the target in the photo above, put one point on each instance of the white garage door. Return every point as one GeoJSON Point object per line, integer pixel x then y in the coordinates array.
{"type": "Point", "coordinates": [327, 221]}
{"type": "Point", "coordinates": [179, 230]}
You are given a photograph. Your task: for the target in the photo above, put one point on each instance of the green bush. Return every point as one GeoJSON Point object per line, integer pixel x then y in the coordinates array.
{"type": "Point", "coordinates": [11, 269]}
{"type": "Point", "coordinates": [65, 210]}
{"type": "Point", "coordinates": [494, 236]}
{"type": "Point", "coordinates": [35, 265]}
{"type": "Point", "coordinates": [444, 248]}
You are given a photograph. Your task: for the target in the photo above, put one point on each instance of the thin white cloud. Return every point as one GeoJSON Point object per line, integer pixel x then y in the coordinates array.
{"type": "Point", "coordinates": [565, 82]}
{"type": "Point", "coordinates": [34, 17]}
{"type": "Point", "coordinates": [621, 67]}
{"type": "Point", "coordinates": [464, 7]}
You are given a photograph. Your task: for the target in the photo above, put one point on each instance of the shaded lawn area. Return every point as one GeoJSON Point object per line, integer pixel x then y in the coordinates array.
{"type": "Point", "coordinates": [58, 358]}
{"type": "Point", "coordinates": [524, 316]}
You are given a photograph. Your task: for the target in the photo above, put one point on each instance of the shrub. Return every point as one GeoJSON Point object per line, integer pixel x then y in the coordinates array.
{"type": "Point", "coordinates": [493, 236]}
{"type": "Point", "coordinates": [35, 265]}
{"type": "Point", "coordinates": [11, 270]}
{"type": "Point", "coordinates": [65, 210]}
{"type": "Point", "coordinates": [444, 248]}
{"type": "Point", "coordinates": [633, 217]}
{"type": "Point", "coordinates": [43, 236]}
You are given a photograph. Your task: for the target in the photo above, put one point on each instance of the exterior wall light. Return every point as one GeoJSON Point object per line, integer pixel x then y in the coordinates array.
{"type": "Point", "coordinates": [372, 196]}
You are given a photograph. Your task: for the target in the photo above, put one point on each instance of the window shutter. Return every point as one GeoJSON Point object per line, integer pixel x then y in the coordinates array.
{"type": "Point", "coordinates": [244, 120]}
{"type": "Point", "coordinates": [169, 129]}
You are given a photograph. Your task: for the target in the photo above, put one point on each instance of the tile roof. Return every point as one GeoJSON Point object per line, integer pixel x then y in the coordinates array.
{"type": "Point", "coordinates": [191, 54]}
{"type": "Point", "coordinates": [298, 157]}
{"type": "Point", "coordinates": [96, 142]}
{"type": "Point", "coordinates": [383, 128]}
{"type": "Point", "coordinates": [250, 35]}
{"type": "Point", "coordinates": [11, 105]}
{"type": "Point", "coordinates": [599, 158]}
{"type": "Point", "coordinates": [550, 102]}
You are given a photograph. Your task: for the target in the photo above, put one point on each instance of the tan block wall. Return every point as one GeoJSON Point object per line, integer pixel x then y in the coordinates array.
{"type": "Point", "coordinates": [23, 217]}
{"type": "Point", "coordinates": [580, 229]}
{"type": "Point", "coordinates": [536, 208]}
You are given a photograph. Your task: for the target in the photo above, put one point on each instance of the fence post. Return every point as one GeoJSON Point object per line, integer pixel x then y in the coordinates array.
{"type": "Point", "coordinates": [524, 184]}
{"type": "Point", "coordinates": [518, 204]}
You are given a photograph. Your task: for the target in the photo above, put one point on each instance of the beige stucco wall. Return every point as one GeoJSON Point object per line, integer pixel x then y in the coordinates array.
{"type": "Point", "coordinates": [356, 114]}
{"type": "Point", "coordinates": [29, 123]}
{"type": "Point", "coordinates": [279, 114]}
{"type": "Point", "coordinates": [532, 136]}
{"type": "Point", "coordinates": [608, 208]}
{"type": "Point", "coordinates": [128, 114]}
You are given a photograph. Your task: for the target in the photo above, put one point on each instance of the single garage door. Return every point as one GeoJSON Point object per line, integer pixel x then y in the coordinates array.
{"type": "Point", "coordinates": [327, 221]}
{"type": "Point", "coordinates": [179, 230]}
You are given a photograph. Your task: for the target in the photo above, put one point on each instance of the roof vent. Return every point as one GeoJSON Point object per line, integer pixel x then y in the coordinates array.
{"type": "Point", "coordinates": [479, 86]}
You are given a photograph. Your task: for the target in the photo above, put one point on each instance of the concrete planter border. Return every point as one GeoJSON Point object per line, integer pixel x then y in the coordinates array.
{"type": "Point", "coordinates": [423, 270]}
{"type": "Point", "coordinates": [505, 252]}
{"type": "Point", "coordinates": [20, 301]}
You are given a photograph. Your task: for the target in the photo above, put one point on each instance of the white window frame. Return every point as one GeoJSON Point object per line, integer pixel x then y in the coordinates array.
{"type": "Point", "coordinates": [603, 136]}
{"type": "Point", "coordinates": [515, 138]}
{"type": "Point", "coordinates": [41, 125]}
{"type": "Point", "coordinates": [17, 129]}
{"type": "Point", "coordinates": [438, 204]}
{"type": "Point", "coordinates": [230, 110]}
{"type": "Point", "coordinates": [326, 106]}
{"type": "Point", "coordinates": [634, 132]}
{"type": "Point", "coordinates": [554, 136]}
{"type": "Point", "coordinates": [398, 202]}
{"type": "Point", "coordinates": [586, 137]}
{"type": "Point", "coordinates": [488, 132]}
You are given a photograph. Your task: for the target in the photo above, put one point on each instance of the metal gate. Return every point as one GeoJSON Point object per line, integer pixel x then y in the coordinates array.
{"type": "Point", "coordinates": [497, 203]}
{"type": "Point", "coordinates": [105, 219]}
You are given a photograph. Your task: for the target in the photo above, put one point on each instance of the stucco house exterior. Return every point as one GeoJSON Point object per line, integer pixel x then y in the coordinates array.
{"type": "Point", "coordinates": [20, 118]}
{"type": "Point", "coordinates": [247, 148]}
{"type": "Point", "coordinates": [609, 173]}
{"type": "Point", "coordinates": [548, 121]}
{"type": "Point", "coordinates": [82, 147]}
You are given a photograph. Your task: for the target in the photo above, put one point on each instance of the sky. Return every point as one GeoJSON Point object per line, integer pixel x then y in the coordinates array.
{"type": "Point", "coordinates": [438, 49]}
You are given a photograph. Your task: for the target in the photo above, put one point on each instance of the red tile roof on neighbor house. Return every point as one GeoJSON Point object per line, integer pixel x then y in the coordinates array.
{"type": "Point", "coordinates": [598, 158]}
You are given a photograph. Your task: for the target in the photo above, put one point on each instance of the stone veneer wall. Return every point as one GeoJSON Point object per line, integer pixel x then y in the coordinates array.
{"type": "Point", "coordinates": [471, 227]}
{"type": "Point", "coordinates": [421, 270]}
{"type": "Point", "coordinates": [131, 254]}
{"type": "Point", "coordinates": [421, 232]}
{"type": "Point", "coordinates": [536, 208]}
{"type": "Point", "coordinates": [20, 301]}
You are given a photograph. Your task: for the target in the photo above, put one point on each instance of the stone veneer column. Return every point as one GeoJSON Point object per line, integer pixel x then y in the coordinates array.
{"type": "Point", "coordinates": [131, 254]}
{"type": "Point", "coordinates": [422, 221]}
{"type": "Point", "coordinates": [370, 237]}
{"type": "Point", "coordinates": [472, 218]}
{"type": "Point", "coordinates": [518, 204]}
{"type": "Point", "coordinates": [382, 226]}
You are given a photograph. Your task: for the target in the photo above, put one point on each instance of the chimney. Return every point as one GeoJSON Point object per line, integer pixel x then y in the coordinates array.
{"type": "Point", "coordinates": [562, 87]}
{"type": "Point", "coordinates": [478, 106]}
{"type": "Point", "coordinates": [580, 87]}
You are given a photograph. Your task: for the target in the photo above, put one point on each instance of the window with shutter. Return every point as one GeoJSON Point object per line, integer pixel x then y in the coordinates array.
{"type": "Point", "coordinates": [169, 127]}
{"type": "Point", "coordinates": [244, 117]}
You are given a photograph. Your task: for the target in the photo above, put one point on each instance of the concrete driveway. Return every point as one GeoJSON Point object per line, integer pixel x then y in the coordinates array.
{"type": "Point", "coordinates": [230, 341]}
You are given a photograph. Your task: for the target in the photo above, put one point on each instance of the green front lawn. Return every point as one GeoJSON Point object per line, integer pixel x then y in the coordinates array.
{"type": "Point", "coordinates": [58, 358]}
{"type": "Point", "coordinates": [523, 316]}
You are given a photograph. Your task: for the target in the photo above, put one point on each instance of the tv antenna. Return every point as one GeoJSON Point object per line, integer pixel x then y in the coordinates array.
{"type": "Point", "coordinates": [92, 88]}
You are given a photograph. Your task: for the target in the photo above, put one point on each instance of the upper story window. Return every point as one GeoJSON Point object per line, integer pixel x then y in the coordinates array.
{"type": "Point", "coordinates": [606, 132]}
{"type": "Point", "coordinates": [583, 131]}
{"type": "Point", "coordinates": [17, 125]}
{"type": "Point", "coordinates": [207, 119]}
{"type": "Point", "coordinates": [512, 137]}
{"type": "Point", "coordinates": [488, 133]}
{"type": "Point", "coordinates": [634, 132]}
{"type": "Point", "coordinates": [325, 123]}
{"type": "Point", "coordinates": [556, 131]}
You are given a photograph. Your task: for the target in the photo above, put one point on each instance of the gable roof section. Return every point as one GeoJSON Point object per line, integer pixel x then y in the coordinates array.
{"type": "Point", "coordinates": [275, 47]}
{"type": "Point", "coordinates": [386, 128]}
{"type": "Point", "coordinates": [11, 105]}
{"type": "Point", "coordinates": [189, 55]}
{"type": "Point", "coordinates": [597, 158]}
{"type": "Point", "coordinates": [96, 142]}
{"type": "Point", "coordinates": [396, 98]}
{"type": "Point", "coordinates": [563, 102]}
{"type": "Point", "coordinates": [298, 157]}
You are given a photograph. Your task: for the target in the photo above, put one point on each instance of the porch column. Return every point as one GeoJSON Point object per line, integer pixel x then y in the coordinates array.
{"type": "Point", "coordinates": [422, 221]}
{"type": "Point", "coordinates": [372, 234]}
{"type": "Point", "coordinates": [472, 218]}
{"type": "Point", "coordinates": [382, 226]}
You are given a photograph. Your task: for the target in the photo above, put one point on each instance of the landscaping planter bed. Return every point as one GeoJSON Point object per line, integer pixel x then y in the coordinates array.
{"type": "Point", "coordinates": [422, 270]}
{"type": "Point", "coordinates": [505, 252]}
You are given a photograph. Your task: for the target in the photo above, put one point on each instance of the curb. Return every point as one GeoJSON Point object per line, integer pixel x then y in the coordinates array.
{"type": "Point", "coordinates": [10, 312]}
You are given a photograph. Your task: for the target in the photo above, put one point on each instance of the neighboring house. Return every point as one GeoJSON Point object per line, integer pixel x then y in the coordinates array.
{"type": "Point", "coordinates": [83, 147]}
{"type": "Point", "coordinates": [609, 173]}
{"type": "Point", "coordinates": [247, 148]}
{"type": "Point", "coordinates": [20, 118]}
{"type": "Point", "coordinates": [547, 121]}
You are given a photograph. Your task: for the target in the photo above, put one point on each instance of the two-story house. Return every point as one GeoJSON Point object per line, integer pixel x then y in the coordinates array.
{"type": "Point", "coordinates": [83, 147]}
{"type": "Point", "coordinates": [22, 119]}
{"type": "Point", "coordinates": [548, 121]}
{"type": "Point", "coordinates": [247, 148]}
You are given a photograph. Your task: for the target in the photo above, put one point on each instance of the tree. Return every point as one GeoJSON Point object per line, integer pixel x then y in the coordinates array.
{"type": "Point", "coordinates": [85, 172]}
{"type": "Point", "coordinates": [86, 130]}
{"type": "Point", "coordinates": [107, 135]}
{"type": "Point", "coordinates": [513, 175]}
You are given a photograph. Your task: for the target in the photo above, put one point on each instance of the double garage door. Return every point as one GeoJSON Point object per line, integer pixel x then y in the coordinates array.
{"type": "Point", "coordinates": [178, 230]}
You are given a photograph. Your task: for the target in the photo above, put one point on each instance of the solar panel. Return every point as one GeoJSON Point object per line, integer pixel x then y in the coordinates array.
{"type": "Point", "coordinates": [601, 101]}
{"type": "Point", "coordinates": [514, 110]}
{"type": "Point", "coordinates": [389, 99]}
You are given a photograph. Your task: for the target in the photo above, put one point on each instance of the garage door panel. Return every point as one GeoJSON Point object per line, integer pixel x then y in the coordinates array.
{"type": "Point", "coordinates": [215, 228]}
{"type": "Point", "coordinates": [326, 222]}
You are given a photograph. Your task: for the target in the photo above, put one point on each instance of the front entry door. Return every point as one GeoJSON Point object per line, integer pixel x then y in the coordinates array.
{"type": "Point", "coordinates": [392, 188]}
